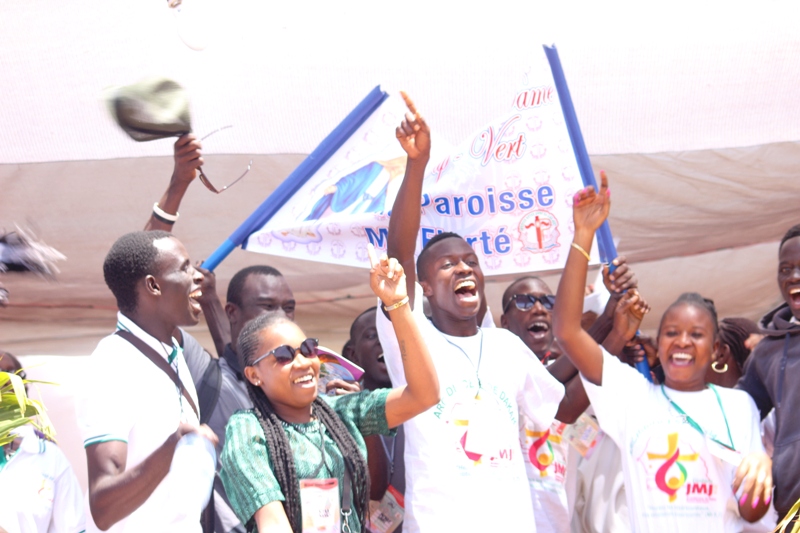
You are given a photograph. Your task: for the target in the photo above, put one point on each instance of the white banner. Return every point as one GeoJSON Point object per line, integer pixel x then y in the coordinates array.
{"type": "Point", "coordinates": [507, 190]}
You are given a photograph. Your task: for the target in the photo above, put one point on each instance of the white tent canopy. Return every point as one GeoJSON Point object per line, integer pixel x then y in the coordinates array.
{"type": "Point", "coordinates": [690, 108]}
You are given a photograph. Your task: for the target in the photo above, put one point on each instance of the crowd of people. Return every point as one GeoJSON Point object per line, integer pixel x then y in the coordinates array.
{"type": "Point", "coordinates": [542, 424]}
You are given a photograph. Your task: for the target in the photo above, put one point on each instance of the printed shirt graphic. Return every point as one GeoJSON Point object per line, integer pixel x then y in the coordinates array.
{"type": "Point", "coordinates": [544, 451]}
{"type": "Point", "coordinates": [672, 481]}
{"type": "Point", "coordinates": [464, 469]}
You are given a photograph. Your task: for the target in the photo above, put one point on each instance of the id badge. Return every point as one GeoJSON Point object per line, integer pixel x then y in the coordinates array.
{"type": "Point", "coordinates": [387, 514]}
{"type": "Point", "coordinates": [319, 500]}
{"type": "Point", "coordinates": [482, 430]}
{"type": "Point", "coordinates": [584, 435]}
{"type": "Point", "coordinates": [726, 454]}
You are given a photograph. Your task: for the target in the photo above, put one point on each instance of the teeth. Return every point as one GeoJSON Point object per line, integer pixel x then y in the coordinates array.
{"type": "Point", "coordinates": [682, 356]}
{"type": "Point", "coordinates": [380, 358]}
{"type": "Point", "coordinates": [465, 284]}
{"type": "Point", "coordinates": [196, 294]}
{"type": "Point", "coordinates": [543, 325]}
{"type": "Point", "coordinates": [794, 291]}
{"type": "Point", "coordinates": [304, 379]}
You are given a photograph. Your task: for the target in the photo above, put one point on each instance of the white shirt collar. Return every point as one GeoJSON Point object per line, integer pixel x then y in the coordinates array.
{"type": "Point", "coordinates": [123, 322]}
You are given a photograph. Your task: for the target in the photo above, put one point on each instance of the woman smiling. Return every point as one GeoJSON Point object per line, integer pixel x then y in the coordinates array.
{"type": "Point", "coordinates": [296, 460]}
{"type": "Point", "coordinates": [692, 456]}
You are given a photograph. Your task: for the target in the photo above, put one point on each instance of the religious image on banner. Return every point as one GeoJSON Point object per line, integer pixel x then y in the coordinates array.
{"type": "Point", "coordinates": [507, 189]}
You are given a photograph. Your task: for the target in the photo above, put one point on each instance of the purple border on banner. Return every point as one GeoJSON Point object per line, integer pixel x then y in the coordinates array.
{"type": "Point", "coordinates": [299, 176]}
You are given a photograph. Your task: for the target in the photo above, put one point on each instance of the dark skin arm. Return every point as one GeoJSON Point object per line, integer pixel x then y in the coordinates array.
{"type": "Point", "coordinates": [115, 492]}
{"type": "Point", "coordinates": [415, 138]}
{"type": "Point", "coordinates": [214, 312]}
{"type": "Point", "coordinates": [378, 467]}
{"type": "Point", "coordinates": [187, 160]}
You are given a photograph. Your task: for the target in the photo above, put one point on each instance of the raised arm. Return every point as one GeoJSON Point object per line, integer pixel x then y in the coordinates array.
{"type": "Point", "coordinates": [187, 160]}
{"type": "Point", "coordinates": [214, 312]}
{"type": "Point", "coordinates": [115, 491]}
{"type": "Point", "coordinates": [590, 209]}
{"type": "Point", "coordinates": [421, 391]}
{"type": "Point", "coordinates": [415, 138]}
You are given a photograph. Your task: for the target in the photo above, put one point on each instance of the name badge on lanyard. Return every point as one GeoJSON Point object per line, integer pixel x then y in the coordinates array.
{"type": "Point", "coordinates": [483, 430]}
{"type": "Point", "coordinates": [387, 514]}
{"type": "Point", "coordinates": [319, 500]}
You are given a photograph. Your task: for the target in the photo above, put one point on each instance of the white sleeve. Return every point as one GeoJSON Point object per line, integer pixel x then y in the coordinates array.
{"type": "Point", "coordinates": [103, 404]}
{"type": "Point", "coordinates": [540, 394]}
{"type": "Point", "coordinates": [68, 501]}
{"type": "Point", "coordinates": [614, 400]}
{"type": "Point", "coordinates": [388, 339]}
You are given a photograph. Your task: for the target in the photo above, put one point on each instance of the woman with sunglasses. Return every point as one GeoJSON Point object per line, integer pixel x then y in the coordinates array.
{"type": "Point", "coordinates": [692, 456]}
{"type": "Point", "coordinates": [296, 458]}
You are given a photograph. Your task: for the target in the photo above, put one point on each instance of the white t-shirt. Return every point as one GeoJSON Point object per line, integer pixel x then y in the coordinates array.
{"type": "Point", "coordinates": [128, 398]}
{"type": "Point", "coordinates": [39, 492]}
{"type": "Point", "coordinates": [464, 469]}
{"type": "Point", "coordinates": [544, 451]}
{"type": "Point", "coordinates": [673, 482]}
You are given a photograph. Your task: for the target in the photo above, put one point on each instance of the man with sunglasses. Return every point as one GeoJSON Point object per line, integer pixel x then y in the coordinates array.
{"type": "Point", "coordinates": [527, 312]}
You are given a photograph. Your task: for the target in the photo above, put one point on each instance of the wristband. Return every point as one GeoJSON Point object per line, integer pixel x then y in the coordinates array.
{"type": "Point", "coordinates": [392, 307]}
{"type": "Point", "coordinates": [582, 251]}
{"type": "Point", "coordinates": [163, 216]}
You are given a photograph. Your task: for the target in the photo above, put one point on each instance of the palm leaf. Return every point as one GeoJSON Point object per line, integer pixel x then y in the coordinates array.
{"type": "Point", "coordinates": [16, 409]}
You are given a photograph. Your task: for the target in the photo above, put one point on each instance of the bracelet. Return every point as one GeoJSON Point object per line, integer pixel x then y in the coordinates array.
{"type": "Point", "coordinates": [392, 307]}
{"type": "Point", "coordinates": [163, 216]}
{"type": "Point", "coordinates": [582, 251]}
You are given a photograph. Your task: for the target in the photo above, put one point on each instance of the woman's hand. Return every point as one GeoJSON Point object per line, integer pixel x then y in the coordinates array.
{"type": "Point", "coordinates": [590, 208]}
{"type": "Point", "coordinates": [629, 314]}
{"type": "Point", "coordinates": [754, 475]}
{"type": "Point", "coordinates": [386, 278]}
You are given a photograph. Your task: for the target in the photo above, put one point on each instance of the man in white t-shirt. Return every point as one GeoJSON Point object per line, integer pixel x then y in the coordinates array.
{"type": "Point", "coordinates": [527, 312]}
{"type": "Point", "coordinates": [131, 412]}
{"type": "Point", "coordinates": [464, 470]}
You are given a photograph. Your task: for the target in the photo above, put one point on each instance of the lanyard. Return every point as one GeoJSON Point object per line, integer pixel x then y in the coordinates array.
{"type": "Point", "coordinates": [480, 356]}
{"type": "Point", "coordinates": [695, 425]}
{"type": "Point", "coordinates": [390, 456]}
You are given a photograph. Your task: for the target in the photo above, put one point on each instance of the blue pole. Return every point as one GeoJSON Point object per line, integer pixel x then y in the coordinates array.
{"type": "Point", "coordinates": [298, 178]}
{"type": "Point", "coordinates": [605, 242]}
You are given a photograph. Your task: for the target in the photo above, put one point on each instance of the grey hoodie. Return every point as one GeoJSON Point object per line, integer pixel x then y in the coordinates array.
{"type": "Point", "coordinates": [772, 378]}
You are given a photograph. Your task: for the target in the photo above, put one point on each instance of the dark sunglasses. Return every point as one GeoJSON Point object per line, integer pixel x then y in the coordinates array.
{"type": "Point", "coordinates": [285, 354]}
{"type": "Point", "coordinates": [524, 302]}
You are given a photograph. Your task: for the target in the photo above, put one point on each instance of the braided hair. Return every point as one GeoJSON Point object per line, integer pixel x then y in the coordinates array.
{"type": "Point", "coordinates": [277, 442]}
{"type": "Point", "coordinates": [734, 332]}
{"type": "Point", "coordinates": [695, 299]}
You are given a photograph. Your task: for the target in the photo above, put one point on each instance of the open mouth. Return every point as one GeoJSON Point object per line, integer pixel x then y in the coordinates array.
{"type": "Point", "coordinates": [794, 296]}
{"type": "Point", "coordinates": [539, 328]}
{"type": "Point", "coordinates": [193, 297]}
{"type": "Point", "coordinates": [681, 359]}
{"type": "Point", "coordinates": [466, 289]}
{"type": "Point", "coordinates": [381, 359]}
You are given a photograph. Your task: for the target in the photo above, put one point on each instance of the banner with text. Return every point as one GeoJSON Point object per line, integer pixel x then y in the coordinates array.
{"type": "Point", "coordinates": [507, 189]}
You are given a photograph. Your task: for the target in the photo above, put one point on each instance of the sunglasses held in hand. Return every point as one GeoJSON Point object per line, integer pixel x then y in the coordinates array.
{"type": "Point", "coordinates": [204, 179]}
{"type": "Point", "coordinates": [285, 354]}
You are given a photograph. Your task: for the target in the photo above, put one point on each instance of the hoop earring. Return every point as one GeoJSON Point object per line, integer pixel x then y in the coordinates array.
{"type": "Point", "coordinates": [717, 370]}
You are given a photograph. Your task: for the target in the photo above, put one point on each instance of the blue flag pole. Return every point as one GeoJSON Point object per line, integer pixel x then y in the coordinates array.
{"type": "Point", "coordinates": [605, 242]}
{"type": "Point", "coordinates": [299, 176]}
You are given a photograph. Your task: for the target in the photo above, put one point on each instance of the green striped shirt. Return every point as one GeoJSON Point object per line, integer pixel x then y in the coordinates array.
{"type": "Point", "coordinates": [247, 467]}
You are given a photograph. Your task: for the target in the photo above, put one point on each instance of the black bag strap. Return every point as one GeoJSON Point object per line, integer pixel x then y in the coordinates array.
{"type": "Point", "coordinates": [158, 360]}
{"type": "Point", "coordinates": [347, 500]}
{"type": "Point", "coordinates": [208, 392]}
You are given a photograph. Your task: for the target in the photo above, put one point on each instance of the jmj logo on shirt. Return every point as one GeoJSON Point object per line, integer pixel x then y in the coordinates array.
{"type": "Point", "coordinates": [545, 451]}
{"type": "Point", "coordinates": [678, 468]}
